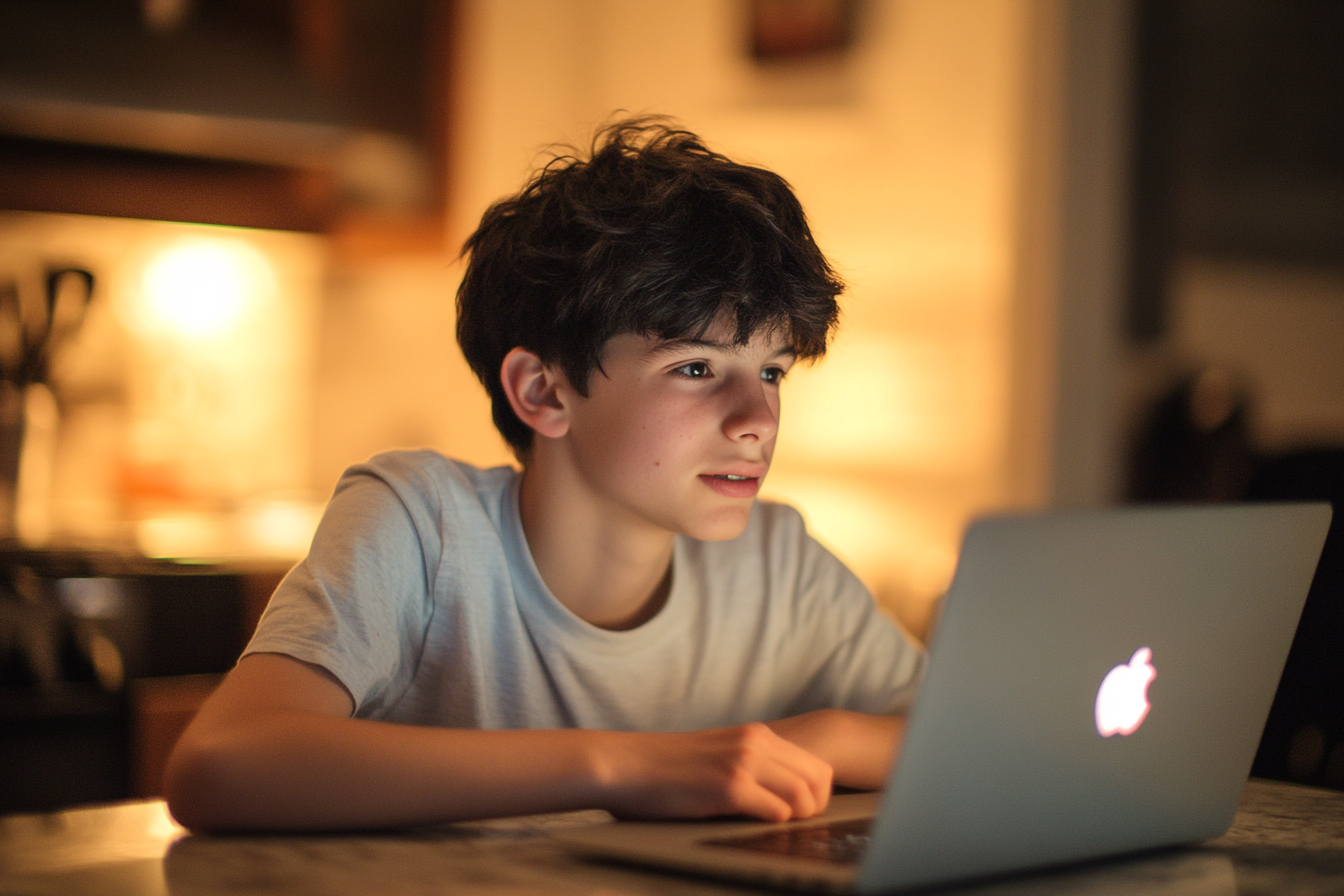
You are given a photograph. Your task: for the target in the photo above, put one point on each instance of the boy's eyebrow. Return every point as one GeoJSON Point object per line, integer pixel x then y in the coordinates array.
{"type": "Point", "coordinates": [673, 346]}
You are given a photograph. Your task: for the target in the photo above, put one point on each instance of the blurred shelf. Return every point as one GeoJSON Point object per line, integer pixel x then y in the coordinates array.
{"type": "Point", "coordinates": [320, 116]}
{"type": "Point", "coordinates": [42, 176]}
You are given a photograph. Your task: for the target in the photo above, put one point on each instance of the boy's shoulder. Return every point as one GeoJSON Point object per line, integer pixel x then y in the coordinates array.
{"type": "Point", "coordinates": [426, 469]}
{"type": "Point", "coordinates": [430, 486]}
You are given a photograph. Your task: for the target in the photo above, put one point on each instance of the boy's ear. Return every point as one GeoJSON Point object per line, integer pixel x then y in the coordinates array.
{"type": "Point", "coordinates": [533, 388]}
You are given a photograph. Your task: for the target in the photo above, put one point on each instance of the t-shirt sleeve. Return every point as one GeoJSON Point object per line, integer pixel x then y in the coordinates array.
{"type": "Point", "coordinates": [358, 604]}
{"type": "Point", "coordinates": [873, 667]}
{"type": "Point", "coordinates": [860, 658]}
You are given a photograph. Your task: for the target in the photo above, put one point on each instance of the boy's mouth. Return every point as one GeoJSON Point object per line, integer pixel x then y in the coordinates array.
{"type": "Point", "coordinates": [732, 485]}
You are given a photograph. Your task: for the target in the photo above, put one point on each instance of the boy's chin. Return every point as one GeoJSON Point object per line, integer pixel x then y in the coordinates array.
{"type": "Point", "coordinates": [723, 526]}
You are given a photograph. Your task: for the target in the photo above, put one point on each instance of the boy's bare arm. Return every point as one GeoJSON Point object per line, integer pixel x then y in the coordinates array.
{"type": "Point", "coordinates": [859, 747]}
{"type": "Point", "coordinates": [275, 748]}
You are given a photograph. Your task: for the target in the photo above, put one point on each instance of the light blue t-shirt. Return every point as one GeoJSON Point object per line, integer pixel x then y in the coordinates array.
{"type": "Point", "coordinates": [421, 597]}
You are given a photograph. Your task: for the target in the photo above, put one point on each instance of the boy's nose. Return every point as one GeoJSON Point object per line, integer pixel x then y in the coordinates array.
{"type": "Point", "coordinates": [752, 414]}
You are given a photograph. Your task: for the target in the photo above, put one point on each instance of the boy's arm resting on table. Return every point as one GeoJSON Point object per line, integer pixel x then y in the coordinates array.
{"type": "Point", "coordinates": [859, 747]}
{"type": "Point", "coordinates": [275, 748]}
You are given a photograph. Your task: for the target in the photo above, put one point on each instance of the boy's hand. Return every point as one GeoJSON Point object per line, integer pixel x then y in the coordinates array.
{"type": "Point", "coordinates": [745, 770]}
{"type": "Point", "coordinates": [859, 747]}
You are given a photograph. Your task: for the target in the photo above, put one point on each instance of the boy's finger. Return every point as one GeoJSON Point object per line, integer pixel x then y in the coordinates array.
{"type": "Point", "coordinates": [802, 784]}
{"type": "Point", "coordinates": [760, 802]}
{"type": "Point", "coordinates": [798, 795]}
{"type": "Point", "coordinates": [771, 795]}
{"type": "Point", "coordinates": [816, 772]}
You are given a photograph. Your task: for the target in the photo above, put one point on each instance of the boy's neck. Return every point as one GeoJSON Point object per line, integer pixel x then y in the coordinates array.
{"type": "Point", "coordinates": [611, 572]}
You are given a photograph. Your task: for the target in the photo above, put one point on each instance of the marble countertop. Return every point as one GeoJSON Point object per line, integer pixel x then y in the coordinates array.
{"type": "Point", "coordinates": [1286, 839]}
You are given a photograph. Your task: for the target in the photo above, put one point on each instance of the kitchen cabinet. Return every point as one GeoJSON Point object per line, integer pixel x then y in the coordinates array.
{"type": "Point", "coordinates": [325, 116]}
{"type": "Point", "coordinates": [104, 659]}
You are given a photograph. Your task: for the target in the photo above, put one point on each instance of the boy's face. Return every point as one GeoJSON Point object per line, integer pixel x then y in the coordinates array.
{"type": "Point", "coordinates": [679, 435]}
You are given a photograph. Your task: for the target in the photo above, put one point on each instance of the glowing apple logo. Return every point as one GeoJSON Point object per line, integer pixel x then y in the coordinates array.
{"type": "Point", "coordinates": [1122, 699]}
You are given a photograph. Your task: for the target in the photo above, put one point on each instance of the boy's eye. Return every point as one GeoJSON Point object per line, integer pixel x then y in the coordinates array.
{"type": "Point", "coordinates": [695, 370]}
{"type": "Point", "coordinates": [772, 374]}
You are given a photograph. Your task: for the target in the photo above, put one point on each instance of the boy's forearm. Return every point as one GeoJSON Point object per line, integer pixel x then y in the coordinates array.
{"type": "Point", "coordinates": [275, 748]}
{"type": "Point", "coordinates": [859, 747]}
{"type": "Point", "coordinates": [288, 771]}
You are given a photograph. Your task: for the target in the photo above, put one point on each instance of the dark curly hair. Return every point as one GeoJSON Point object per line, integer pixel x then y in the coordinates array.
{"type": "Point", "coordinates": [651, 234]}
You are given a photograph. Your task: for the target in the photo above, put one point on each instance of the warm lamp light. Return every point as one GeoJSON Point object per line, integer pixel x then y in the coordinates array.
{"type": "Point", "coordinates": [203, 288]}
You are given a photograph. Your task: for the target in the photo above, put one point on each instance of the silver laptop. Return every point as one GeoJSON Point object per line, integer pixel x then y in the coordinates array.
{"type": "Point", "coordinates": [1098, 685]}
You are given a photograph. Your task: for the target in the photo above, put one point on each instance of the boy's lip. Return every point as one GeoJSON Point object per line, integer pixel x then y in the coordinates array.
{"type": "Point", "coordinates": [735, 483]}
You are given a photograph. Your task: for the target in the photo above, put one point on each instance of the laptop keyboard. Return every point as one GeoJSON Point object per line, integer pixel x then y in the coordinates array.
{"type": "Point", "coordinates": [839, 842]}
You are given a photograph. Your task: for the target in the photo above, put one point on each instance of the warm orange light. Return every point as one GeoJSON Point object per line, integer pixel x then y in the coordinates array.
{"type": "Point", "coordinates": [280, 527]}
{"type": "Point", "coordinates": [204, 288]}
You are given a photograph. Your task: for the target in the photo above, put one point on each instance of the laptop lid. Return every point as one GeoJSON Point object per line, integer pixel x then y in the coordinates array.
{"type": "Point", "coordinates": [1005, 766]}
{"type": "Point", "coordinates": [1009, 763]}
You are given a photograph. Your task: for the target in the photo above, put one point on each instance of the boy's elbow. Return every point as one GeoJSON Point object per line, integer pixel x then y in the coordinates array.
{"type": "Point", "coordinates": [196, 786]}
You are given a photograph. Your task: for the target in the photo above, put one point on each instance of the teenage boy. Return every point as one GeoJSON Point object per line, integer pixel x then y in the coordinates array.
{"type": "Point", "coordinates": [619, 625]}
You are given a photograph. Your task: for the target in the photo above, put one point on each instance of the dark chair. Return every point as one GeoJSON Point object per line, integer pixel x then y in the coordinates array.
{"type": "Point", "coordinates": [1194, 443]}
{"type": "Point", "coordinates": [1304, 737]}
